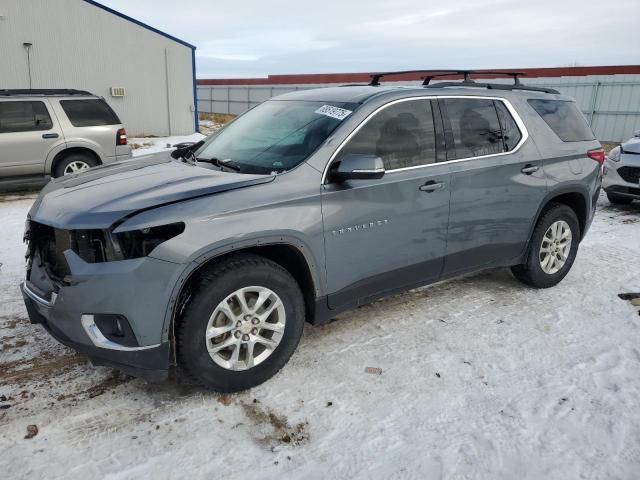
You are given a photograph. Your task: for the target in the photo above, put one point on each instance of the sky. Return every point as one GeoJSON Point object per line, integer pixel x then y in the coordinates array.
{"type": "Point", "coordinates": [256, 38]}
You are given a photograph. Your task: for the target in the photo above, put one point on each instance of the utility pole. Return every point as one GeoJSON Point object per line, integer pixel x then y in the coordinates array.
{"type": "Point", "coordinates": [28, 45]}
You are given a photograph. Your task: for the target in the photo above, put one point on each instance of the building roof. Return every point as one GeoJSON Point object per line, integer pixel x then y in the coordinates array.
{"type": "Point", "coordinates": [139, 23]}
{"type": "Point", "coordinates": [324, 78]}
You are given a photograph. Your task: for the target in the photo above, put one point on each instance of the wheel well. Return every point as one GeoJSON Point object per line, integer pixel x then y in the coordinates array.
{"type": "Point", "coordinates": [85, 151]}
{"type": "Point", "coordinates": [287, 256]}
{"type": "Point", "coordinates": [576, 202]}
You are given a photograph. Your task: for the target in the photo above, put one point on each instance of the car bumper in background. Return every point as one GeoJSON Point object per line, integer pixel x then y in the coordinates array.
{"type": "Point", "coordinates": [613, 182]}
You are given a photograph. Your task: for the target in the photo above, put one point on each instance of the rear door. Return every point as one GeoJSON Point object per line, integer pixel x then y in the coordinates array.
{"type": "Point", "coordinates": [497, 183]}
{"type": "Point", "coordinates": [27, 134]}
{"type": "Point", "coordinates": [386, 234]}
{"type": "Point", "coordinates": [94, 121]}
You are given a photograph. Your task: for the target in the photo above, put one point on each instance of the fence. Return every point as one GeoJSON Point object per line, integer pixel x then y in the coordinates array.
{"type": "Point", "coordinates": [611, 104]}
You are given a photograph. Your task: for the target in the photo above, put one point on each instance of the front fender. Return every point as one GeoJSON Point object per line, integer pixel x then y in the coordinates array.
{"type": "Point", "coordinates": [238, 246]}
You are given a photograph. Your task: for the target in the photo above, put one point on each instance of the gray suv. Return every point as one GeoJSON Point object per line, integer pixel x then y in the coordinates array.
{"type": "Point", "coordinates": [212, 258]}
{"type": "Point", "coordinates": [53, 133]}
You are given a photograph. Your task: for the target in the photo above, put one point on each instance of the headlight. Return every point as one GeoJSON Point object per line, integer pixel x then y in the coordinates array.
{"type": "Point", "coordinates": [614, 154]}
{"type": "Point", "coordinates": [140, 243]}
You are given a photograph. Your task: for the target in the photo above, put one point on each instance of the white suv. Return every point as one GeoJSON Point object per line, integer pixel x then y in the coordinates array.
{"type": "Point", "coordinates": [50, 133]}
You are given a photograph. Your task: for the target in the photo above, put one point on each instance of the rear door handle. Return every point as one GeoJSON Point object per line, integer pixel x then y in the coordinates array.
{"type": "Point", "coordinates": [50, 135]}
{"type": "Point", "coordinates": [529, 169]}
{"type": "Point", "coordinates": [432, 186]}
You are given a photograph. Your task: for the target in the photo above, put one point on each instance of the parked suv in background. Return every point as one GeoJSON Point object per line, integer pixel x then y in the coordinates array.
{"type": "Point", "coordinates": [310, 204]}
{"type": "Point", "coordinates": [621, 179]}
{"type": "Point", "coordinates": [56, 132]}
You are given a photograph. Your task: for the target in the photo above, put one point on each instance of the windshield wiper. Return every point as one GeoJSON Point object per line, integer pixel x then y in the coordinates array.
{"type": "Point", "coordinates": [224, 163]}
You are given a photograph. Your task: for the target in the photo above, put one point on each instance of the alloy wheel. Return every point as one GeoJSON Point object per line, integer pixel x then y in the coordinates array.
{"type": "Point", "coordinates": [245, 328]}
{"type": "Point", "coordinates": [555, 247]}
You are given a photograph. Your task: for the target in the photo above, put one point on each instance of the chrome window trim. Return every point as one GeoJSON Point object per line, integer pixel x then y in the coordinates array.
{"type": "Point", "coordinates": [507, 103]}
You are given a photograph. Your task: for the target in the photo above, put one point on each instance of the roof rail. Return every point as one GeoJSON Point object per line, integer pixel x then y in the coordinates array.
{"type": "Point", "coordinates": [466, 79]}
{"type": "Point", "coordinates": [43, 91]}
{"type": "Point", "coordinates": [493, 86]}
{"type": "Point", "coordinates": [375, 77]}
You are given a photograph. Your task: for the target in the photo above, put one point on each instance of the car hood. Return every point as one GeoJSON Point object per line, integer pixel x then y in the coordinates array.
{"type": "Point", "coordinates": [631, 146]}
{"type": "Point", "coordinates": [101, 196]}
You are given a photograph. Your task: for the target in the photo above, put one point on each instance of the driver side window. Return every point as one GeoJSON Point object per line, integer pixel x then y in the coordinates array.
{"type": "Point", "coordinates": [401, 134]}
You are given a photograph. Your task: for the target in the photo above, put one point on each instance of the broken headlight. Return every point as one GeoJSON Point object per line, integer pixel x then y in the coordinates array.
{"type": "Point", "coordinates": [140, 243]}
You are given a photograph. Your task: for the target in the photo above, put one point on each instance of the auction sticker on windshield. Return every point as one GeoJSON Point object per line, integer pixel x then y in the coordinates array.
{"type": "Point", "coordinates": [333, 112]}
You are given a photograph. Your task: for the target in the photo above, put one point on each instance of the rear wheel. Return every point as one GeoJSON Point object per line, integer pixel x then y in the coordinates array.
{"type": "Point", "coordinates": [243, 322]}
{"type": "Point", "coordinates": [619, 199]}
{"type": "Point", "coordinates": [552, 250]}
{"type": "Point", "coordinates": [74, 163]}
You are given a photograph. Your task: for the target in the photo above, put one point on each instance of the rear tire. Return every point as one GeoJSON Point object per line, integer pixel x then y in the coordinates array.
{"type": "Point", "coordinates": [619, 199]}
{"type": "Point", "coordinates": [252, 305]}
{"type": "Point", "coordinates": [553, 248]}
{"type": "Point", "coordinates": [74, 163]}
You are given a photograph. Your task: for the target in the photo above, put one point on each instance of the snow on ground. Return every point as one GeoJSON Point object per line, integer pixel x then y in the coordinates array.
{"type": "Point", "coordinates": [147, 145]}
{"type": "Point", "coordinates": [481, 378]}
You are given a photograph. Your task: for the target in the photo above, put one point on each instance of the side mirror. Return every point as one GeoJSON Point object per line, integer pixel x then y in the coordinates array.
{"type": "Point", "coordinates": [181, 149]}
{"type": "Point", "coordinates": [636, 133]}
{"type": "Point", "coordinates": [355, 166]}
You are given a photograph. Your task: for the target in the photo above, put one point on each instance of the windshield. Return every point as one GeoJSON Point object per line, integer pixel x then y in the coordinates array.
{"type": "Point", "coordinates": [275, 136]}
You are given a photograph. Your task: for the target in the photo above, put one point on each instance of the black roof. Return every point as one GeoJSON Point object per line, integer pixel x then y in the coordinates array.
{"type": "Point", "coordinates": [67, 92]}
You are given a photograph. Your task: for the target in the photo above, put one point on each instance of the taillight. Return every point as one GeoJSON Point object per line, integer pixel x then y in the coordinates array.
{"type": "Point", "coordinates": [597, 155]}
{"type": "Point", "coordinates": [121, 137]}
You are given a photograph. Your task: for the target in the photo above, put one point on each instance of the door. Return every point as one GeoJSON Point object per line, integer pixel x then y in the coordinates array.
{"type": "Point", "coordinates": [27, 134]}
{"type": "Point", "coordinates": [497, 183]}
{"type": "Point", "coordinates": [386, 234]}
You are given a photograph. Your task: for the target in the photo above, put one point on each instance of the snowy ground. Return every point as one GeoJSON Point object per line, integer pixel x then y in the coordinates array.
{"type": "Point", "coordinates": [481, 378]}
{"type": "Point", "coordinates": [146, 145]}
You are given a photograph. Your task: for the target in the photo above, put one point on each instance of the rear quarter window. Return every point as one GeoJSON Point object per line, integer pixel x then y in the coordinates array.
{"type": "Point", "coordinates": [564, 118]}
{"type": "Point", "coordinates": [89, 113]}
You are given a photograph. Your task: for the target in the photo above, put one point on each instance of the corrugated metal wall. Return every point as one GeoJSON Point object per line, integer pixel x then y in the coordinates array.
{"type": "Point", "coordinates": [78, 45]}
{"type": "Point", "coordinates": [611, 103]}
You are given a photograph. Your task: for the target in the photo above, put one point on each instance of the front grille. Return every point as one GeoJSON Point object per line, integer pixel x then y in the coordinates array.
{"type": "Point", "coordinates": [51, 243]}
{"type": "Point", "coordinates": [630, 174]}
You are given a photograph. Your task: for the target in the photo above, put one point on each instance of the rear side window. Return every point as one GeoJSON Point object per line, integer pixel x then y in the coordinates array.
{"type": "Point", "coordinates": [564, 118]}
{"type": "Point", "coordinates": [401, 134]}
{"type": "Point", "coordinates": [24, 117]}
{"type": "Point", "coordinates": [511, 134]}
{"type": "Point", "coordinates": [89, 113]}
{"type": "Point", "coordinates": [475, 127]}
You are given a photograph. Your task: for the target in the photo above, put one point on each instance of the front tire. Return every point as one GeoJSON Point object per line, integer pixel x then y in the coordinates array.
{"type": "Point", "coordinates": [242, 324]}
{"type": "Point", "coordinates": [619, 199]}
{"type": "Point", "coordinates": [553, 248]}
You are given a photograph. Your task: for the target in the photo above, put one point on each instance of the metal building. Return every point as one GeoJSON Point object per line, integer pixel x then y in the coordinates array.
{"type": "Point", "coordinates": [609, 96]}
{"type": "Point", "coordinates": [147, 76]}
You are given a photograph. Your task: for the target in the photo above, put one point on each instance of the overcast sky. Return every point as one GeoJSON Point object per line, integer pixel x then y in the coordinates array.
{"type": "Point", "coordinates": [261, 37]}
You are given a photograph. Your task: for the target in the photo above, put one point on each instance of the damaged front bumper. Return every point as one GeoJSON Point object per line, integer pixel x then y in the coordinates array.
{"type": "Point", "coordinates": [133, 294]}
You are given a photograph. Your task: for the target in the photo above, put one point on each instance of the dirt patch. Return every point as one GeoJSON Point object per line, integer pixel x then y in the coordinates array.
{"type": "Point", "coordinates": [115, 379]}
{"type": "Point", "coordinates": [282, 432]}
{"type": "Point", "coordinates": [12, 322]}
{"type": "Point", "coordinates": [20, 371]}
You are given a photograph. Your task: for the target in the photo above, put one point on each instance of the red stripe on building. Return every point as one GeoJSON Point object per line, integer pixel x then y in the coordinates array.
{"type": "Point", "coordinates": [323, 78]}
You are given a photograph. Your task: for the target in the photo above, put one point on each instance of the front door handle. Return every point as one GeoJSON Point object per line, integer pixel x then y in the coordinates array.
{"type": "Point", "coordinates": [50, 135]}
{"type": "Point", "coordinates": [432, 186]}
{"type": "Point", "coordinates": [529, 169]}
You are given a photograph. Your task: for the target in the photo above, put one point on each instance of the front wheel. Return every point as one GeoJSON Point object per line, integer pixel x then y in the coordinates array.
{"type": "Point", "coordinates": [243, 322]}
{"type": "Point", "coordinates": [552, 250]}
